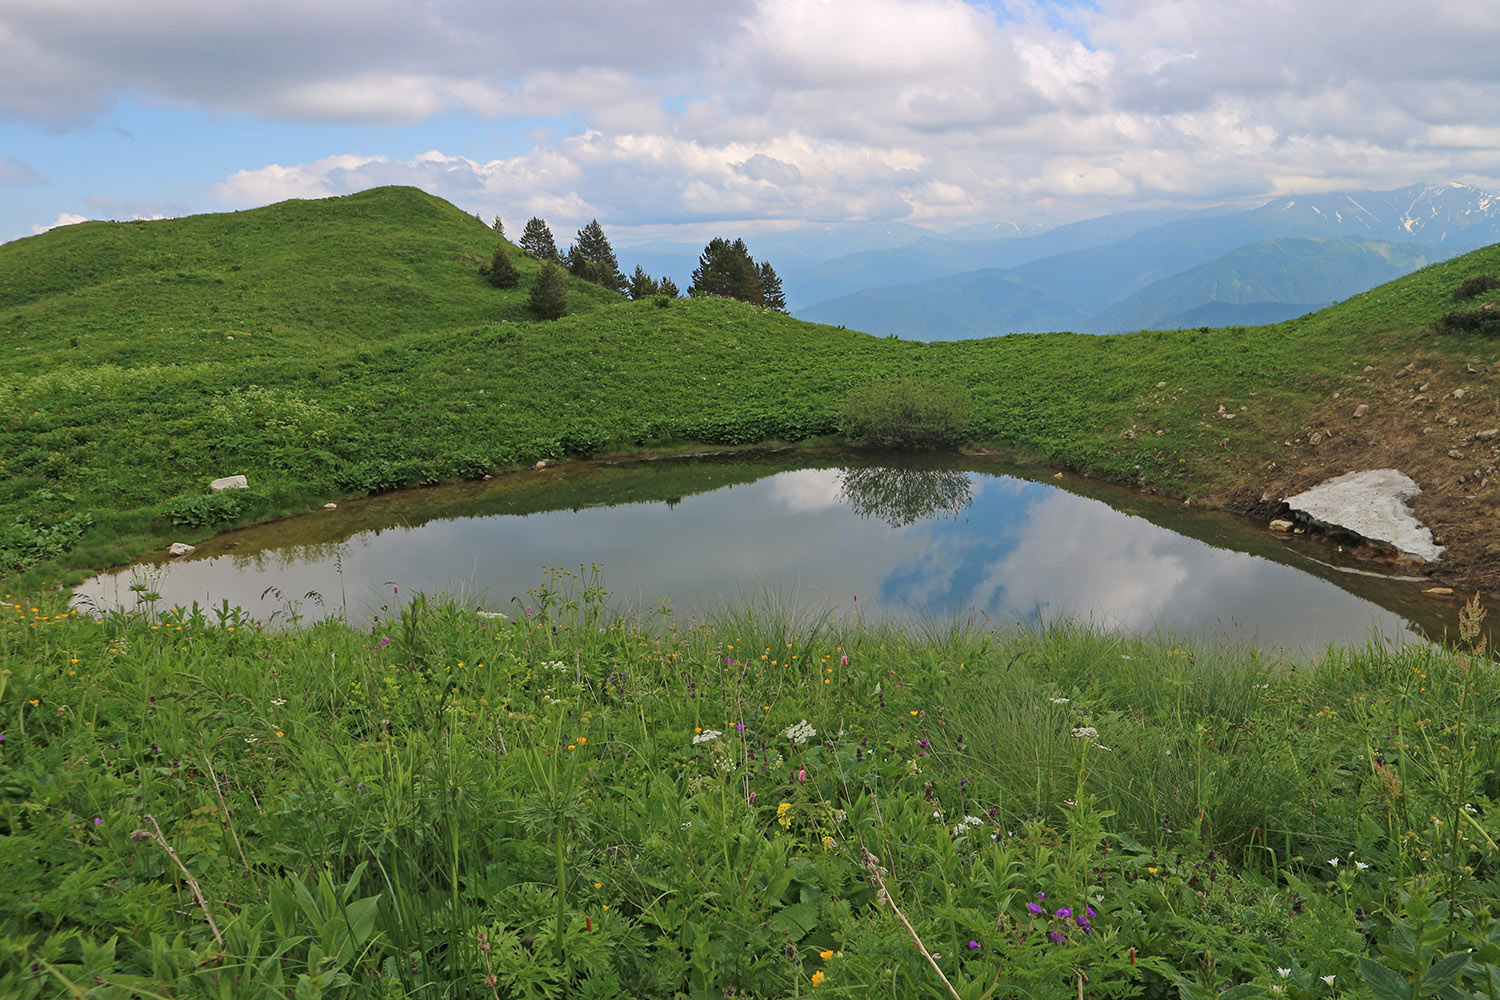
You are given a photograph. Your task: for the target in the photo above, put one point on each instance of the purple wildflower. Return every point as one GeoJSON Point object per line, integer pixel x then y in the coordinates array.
{"type": "Point", "coordinates": [973, 945]}
{"type": "Point", "coordinates": [1034, 908]}
{"type": "Point", "coordinates": [1057, 937]}
{"type": "Point", "coordinates": [1064, 912]}
{"type": "Point", "coordinates": [98, 821]}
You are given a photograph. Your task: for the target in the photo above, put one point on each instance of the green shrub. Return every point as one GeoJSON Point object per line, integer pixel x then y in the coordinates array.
{"type": "Point", "coordinates": [1484, 319]}
{"type": "Point", "coordinates": [209, 510]}
{"type": "Point", "coordinates": [906, 414]}
{"type": "Point", "coordinates": [1477, 285]}
{"type": "Point", "coordinates": [549, 292]}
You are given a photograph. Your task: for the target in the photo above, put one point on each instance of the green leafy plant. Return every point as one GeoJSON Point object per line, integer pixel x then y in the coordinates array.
{"type": "Point", "coordinates": [906, 413]}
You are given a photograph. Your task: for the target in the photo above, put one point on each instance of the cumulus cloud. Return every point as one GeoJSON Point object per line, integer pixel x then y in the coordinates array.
{"type": "Point", "coordinates": [829, 110]}
{"type": "Point", "coordinates": [63, 219]}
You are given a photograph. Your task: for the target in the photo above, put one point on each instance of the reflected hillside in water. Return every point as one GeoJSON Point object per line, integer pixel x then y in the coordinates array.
{"type": "Point", "coordinates": [874, 535]}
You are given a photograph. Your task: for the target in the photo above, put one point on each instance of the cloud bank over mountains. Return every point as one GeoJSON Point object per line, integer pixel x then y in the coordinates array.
{"type": "Point", "coordinates": [649, 114]}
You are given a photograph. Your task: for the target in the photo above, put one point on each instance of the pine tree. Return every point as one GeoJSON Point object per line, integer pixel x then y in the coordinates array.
{"type": "Point", "coordinates": [593, 259]}
{"type": "Point", "coordinates": [501, 271]}
{"type": "Point", "coordinates": [642, 285]}
{"type": "Point", "coordinates": [727, 269]}
{"type": "Point", "coordinates": [669, 288]}
{"type": "Point", "coordinates": [498, 227]}
{"type": "Point", "coordinates": [537, 240]}
{"type": "Point", "coordinates": [771, 294]}
{"type": "Point", "coordinates": [549, 292]}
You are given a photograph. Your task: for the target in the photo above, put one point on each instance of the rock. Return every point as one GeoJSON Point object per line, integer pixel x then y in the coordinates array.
{"type": "Point", "coordinates": [1423, 386]}
{"type": "Point", "coordinates": [330, 506]}
{"type": "Point", "coordinates": [540, 464]}
{"type": "Point", "coordinates": [1161, 385]}
{"type": "Point", "coordinates": [1316, 437]}
{"type": "Point", "coordinates": [1438, 591]}
{"type": "Point", "coordinates": [488, 476]}
{"type": "Point", "coordinates": [1361, 410]}
{"type": "Point", "coordinates": [1455, 453]}
{"type": "Point", "coordinates": [229, 483]}
{"type": "Point", "coordinates": [1057, 475]}
{"type": "Point", "coordinates": [1369, 368]}
{"type": "Point", "coordinates": [1130, 435]}
{"type": "Point", "coordinates": [229, 337]}
{"type": "Point", "coordinates": [1488, 435]}
{"type": "Point", "coordinates": [1459, 393]}
{"type": "Point", "coordinates": [1281, 524]}
{"type": "Point", "coordinates": [180, 549]}
{"type": "Point", "coordinates": [1371, 504]}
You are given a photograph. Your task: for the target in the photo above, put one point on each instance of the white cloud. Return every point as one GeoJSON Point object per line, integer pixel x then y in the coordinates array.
{"type": "Point", "coordinates": [828, 110]}
{"type": "Point", "coordinates": [63, 219]}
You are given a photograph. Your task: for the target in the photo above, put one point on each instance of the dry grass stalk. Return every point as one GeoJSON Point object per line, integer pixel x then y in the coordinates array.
{"type": "Point", "coordinates": [877, 878]}
{"type": "Point", "coordinates": [155, 834]}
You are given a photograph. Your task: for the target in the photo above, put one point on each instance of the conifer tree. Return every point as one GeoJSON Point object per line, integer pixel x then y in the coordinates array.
{"type": "Point", "coordinates": [642, 285]}
{"type": "Point", "coordinates": [549, 292]}
{"type": "Point", "coordinates": [728, 270]}
{"type": "Point", "coordinates": [537, 240]}
{"type": "Point", "coordinates": [669, 288]}
{"type": "Point", "coordinates": [593, 259]}
{"type": "Point", "coordinates": [501, 271]}
{"type": "Point", "coordinates": [498, 227]}
{"type": "Point", "coordinates": [771, 294]}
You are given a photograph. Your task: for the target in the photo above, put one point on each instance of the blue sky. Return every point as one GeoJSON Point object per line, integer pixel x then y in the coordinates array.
{"type": "Point", "coordinates": [669, 118]}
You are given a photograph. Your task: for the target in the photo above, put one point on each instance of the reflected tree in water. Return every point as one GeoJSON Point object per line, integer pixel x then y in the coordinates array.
{"type": "Point", "coordinates": [903, 495]}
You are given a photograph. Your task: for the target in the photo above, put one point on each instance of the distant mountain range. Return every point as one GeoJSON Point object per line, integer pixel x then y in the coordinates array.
{"type": "Point", "coordinates": [1144, 270]}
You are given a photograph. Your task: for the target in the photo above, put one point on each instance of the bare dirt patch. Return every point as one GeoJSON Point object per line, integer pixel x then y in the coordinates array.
{"type": "Point", "coordinates": [1433, 415]}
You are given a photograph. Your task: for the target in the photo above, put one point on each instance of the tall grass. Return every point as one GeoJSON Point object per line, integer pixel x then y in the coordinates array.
{"type": "Point", "coordinates": [569, 802]}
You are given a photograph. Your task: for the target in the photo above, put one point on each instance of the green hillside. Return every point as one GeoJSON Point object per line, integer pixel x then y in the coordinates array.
{"type": "Point", "coordinates": [291, 280]}
{"type": "Point", "coordinates": [380, 359]}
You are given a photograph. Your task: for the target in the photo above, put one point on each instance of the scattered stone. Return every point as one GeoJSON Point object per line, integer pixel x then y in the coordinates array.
{"type": "Point", "coordinates": [1316, 437]}
{"type": "Point", "coordinates": [1371, 504]}
{"type": "Point", "coordinates": [177, 549]}
{"type": "Point", "coordinates": [1369, 368]}
{"type": "Point", "coordinates": [1423, 386]}
{"type": "Point", "coordinates": [1361, 410]}
{"type": "Point", "coordinates": [1160, 433]}
{"type": "Point", "coordinates": [1455, 453]}
{"type": "Point", "coordinates": [1161, 385]}
{"type": "Point", "coordinates": [1438, 591]}
{"type": "Point", "coordinates": [1130, 434]}
{"type": "Point", "coordinates": [330, 506]}
{"type": "Point", "coordinates": [229, 483]}
{"type": "Point", "coordinates": [540, 464]}
{"type": "Point", "coordinates": [1488, 435]}
{"type": "Point", "coordinates": [1459, 393]}
{"type": "Point", "coordinates": [1057, 475]}
{"type": "Point", "coordinates": [1281, 524]}
{"type": "Point", "coordinates": [488, 476]}
{"type": "Point", "coordinates": [229, 337]}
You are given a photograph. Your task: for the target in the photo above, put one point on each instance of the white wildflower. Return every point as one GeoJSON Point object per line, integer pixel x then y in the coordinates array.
{"type": "Point", "coordinates": [1328, 979]}
{"type": "Point", "coordinates": [1061, 701]}
{"type": "Point", "coordinates": [557, 665]}
{"type": "Point", "coordinates": [1361, 865]}
{"type": "Point", "coordinates": [1334, 861]}
{"type": "Point", "coordinates": [1283, 973]}
{"type": "Point", "coordinates": [491, 614]}
{"type": "Point", "coordinates": [1085, 733]}
{"type": "Point", "coordinates": [278, 702]}
{"type": "Point", "coordinates": [801, 732]}
{"type": "Point", "coordinates": [707, 736]}
{"type": "Point", "coordinates": [963, 825]}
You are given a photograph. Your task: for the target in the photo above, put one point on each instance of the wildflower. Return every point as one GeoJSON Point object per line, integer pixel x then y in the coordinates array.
{"type": "Point", "coordinates": [1361, 865]}
{"type": "Point", "coordinates": [98, 821]}
{"type": "Point", "coordinates": [278, 702]}
{"type": "Point", "coordinates": [826, 955]}
{"type": "Point", "coordinates": [818, 977]}
{"type": "Point", "coordinates": [1061, 701]}
{"type": "Point", "coordinates": [829, 843]}
{"type": "Point", "coordinates": [1064, 912]}
{"type": "Point", "coordinates": [783, 815]}
{"type": "Point", "coordinates": [799, 733]}
{"type": "Point", "coordinates": [598, 885]}
{"type": "Point", "coordinates": [963, 825]}
{"type": "Point", "coordinates": [1328, 979]}
{"type": "Point", "coordinates": [973, 945]}
{"type": "Point", "coordinates": [1034, 908]}
{"type": "Point", "coordinates": [279, 733]}
{"type": "Point", "coordinates": [707, 736]}
{"type": "Point", "coordinates": [801, 775]}
{"type": "Point", "coordinates": [1085, 732]}
{"type": "Point", "coordinates": [844, 660]}
{"type": "Point", "coordinates": [1334, 862]}
{"type": "Point", "coordinates": [1152, 870]}
{"type": "Point", "coordinates": [1283, 973]}
{"type": "Point", "coordinates": [1057, 937]}
{"type": "Point", "coordinates": [582, 740]}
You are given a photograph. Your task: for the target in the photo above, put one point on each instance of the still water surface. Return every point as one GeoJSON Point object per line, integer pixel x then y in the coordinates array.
{"type": "Point", "coordinates": [892, 539]}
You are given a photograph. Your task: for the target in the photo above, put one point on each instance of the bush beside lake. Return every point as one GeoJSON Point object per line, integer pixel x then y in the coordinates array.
{"type": "Point", "coordinates": [450, 802]}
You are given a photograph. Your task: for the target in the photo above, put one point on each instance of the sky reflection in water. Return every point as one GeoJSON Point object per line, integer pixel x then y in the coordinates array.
{"type": "Point", "coordinates": [1019, 551]}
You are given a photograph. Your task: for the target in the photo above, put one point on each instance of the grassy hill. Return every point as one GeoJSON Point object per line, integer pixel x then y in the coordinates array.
{"type": "Point", "coordinates": [369, 354]}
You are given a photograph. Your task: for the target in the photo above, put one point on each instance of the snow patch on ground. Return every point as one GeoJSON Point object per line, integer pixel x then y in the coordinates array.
{"type": "Point", "coordinates": [1371, 504]}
